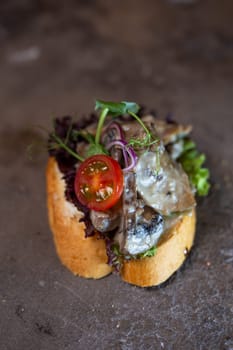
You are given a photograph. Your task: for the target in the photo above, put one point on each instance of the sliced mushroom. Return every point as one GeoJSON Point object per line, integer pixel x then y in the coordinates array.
{"type": "Point", "coordinates": [167, 132]}
{"type": "Point", "coordinates": [140, 227]}
{"type": "Point", "coordinates": [133, 129]}
{"type": "Point", "coordinates": [166, 189]}
{"type": "Point", "coordinates": [106, 221]}
{"type": "Point", "coordinates": [144, 236]}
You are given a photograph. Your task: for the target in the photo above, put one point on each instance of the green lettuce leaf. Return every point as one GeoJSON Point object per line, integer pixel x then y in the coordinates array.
{"type": "Point", "coordinates": [192, 161]}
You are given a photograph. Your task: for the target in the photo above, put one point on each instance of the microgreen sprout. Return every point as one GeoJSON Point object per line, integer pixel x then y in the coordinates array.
{"type": "Point", "coordinates": [141, 123]}
{"type": "Point", "coordinates": [102, 118]}
{"type": "Point", "coordinates": [95, 147]}
{"type": "Point", "coordinates": [121, 108]}
{"type": "Point", "coordinates": [147, 141]}
{"type": "Point", "coordinates": [114, 109]}
{"type": "Point", "coordinates": [63, 145]}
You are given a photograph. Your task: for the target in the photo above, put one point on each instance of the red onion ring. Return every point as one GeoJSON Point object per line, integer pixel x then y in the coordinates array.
{"type": "Point", "coordinates": [130, 157]}
{"type": "Point", "coordinates": [118, 129]}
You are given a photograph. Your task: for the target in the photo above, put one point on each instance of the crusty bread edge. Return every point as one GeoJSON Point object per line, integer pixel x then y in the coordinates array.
{"type": "Point", "coordinates": [170, 255]}
{"type": "Point", "coordinates": [87, 257]}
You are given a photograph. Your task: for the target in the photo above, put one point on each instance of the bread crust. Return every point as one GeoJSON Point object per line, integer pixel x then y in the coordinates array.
{"type": "Point", "coordinates": [87, 257]}
{"type": "Point", "coordinates": [170, 254]}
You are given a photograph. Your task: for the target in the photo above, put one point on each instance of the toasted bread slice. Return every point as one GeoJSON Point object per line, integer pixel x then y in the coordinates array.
{"type": "Point", "coordinates": [87, 257]}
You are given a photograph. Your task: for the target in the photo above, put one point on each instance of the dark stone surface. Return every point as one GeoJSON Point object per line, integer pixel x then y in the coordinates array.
{"type": "Point", "coordinates": [56, 58]}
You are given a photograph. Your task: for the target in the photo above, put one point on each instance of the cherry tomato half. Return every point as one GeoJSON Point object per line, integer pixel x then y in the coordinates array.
{"type": "Point", "coordinates": [99, 182]}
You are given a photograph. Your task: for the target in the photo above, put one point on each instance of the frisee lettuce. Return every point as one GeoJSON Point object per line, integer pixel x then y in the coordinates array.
{"type": "Point", "coordinates": [192, 160]}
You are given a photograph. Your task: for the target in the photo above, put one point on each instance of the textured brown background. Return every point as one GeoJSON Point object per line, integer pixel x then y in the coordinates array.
{"type": "Point", "coordinates": [56, 58]}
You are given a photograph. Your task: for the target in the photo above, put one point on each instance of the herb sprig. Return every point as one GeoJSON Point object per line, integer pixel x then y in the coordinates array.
{"type": "Point", "coordinates": [114, 109]}
{"type": "Point", "coordinates": [148, 140]}
{"type": "Point", "coordinates": [63, 144]}
{"type": "Point", "coordinates": [121, 108]}
{"type": "Point", "coordinates": [94, 148]}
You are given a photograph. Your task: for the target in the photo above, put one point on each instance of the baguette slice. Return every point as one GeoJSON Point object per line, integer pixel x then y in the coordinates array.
{"type": "Point", "coordinates": [87, 257]}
